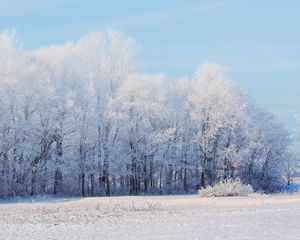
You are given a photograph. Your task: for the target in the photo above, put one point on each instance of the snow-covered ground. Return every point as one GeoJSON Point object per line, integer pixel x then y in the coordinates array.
{"type": "Point", "coordinates": [163, 217]}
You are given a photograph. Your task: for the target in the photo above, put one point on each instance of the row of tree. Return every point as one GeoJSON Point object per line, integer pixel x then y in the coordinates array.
{"type": "Point", "coordinates": [80, 119]}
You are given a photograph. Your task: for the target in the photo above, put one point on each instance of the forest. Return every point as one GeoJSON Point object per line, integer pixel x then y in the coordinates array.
{"type": "Point", "coordinates": [83, 119]}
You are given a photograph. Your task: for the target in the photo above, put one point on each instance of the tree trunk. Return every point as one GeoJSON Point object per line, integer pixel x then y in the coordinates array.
{"type": "Point", "coordinates": [82, 184]}
{"type": "Point", "coordinates": [185, 181]}
{"type": "Point", "coordinates": [202, 183]}
{"type": "Point", "coordinates": [57, 181]}
{"type": "Point", "coordinates": [92, 179]}
{"type": "Point", "coordinates": [33, 181]}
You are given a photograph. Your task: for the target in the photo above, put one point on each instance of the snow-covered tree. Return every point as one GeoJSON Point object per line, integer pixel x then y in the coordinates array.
{"type": "Point", "coordinates": [81, 119]}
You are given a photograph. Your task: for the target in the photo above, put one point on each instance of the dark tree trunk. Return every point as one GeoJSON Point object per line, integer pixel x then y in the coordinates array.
{"type": "Point", "coordinates": [185, 181]}
{"type": "Point", "coordinates": [107, 183]}
{"type": "Point", "coordinates": [57, 181]}
{"type": "Point", "coordinates": [33, 183]}
{"type": "Point", "coordinates": [202, 183]}
{"type": "Point", "coordinates": [83, 185]}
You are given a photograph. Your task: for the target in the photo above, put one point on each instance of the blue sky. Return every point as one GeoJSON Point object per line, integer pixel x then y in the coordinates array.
{"type": "Point", "coordinates": [258, 42]}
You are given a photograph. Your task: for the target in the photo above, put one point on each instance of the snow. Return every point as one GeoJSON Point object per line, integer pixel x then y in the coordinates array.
{"type": "Point", "coordinates": [154, 217]}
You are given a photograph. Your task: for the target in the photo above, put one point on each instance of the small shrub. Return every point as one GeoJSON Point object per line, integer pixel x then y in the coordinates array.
{"type": "Point", "coordinates": [145, 206]}
{"type": "Point", "coordinates": [134, 206]}
{"type": "Point", "coordinates": [227, 188]}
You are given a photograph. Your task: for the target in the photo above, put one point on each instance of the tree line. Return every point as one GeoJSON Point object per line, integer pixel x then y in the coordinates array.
{"type": "Point", "coordinates": [82, 119]}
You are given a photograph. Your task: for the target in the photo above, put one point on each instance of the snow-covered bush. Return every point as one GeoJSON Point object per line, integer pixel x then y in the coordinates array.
{"type": "Point", "coordinates": [227, 188]}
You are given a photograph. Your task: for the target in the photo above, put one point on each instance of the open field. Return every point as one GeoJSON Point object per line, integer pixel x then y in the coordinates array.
{"type": "Point", "coordinates": [161, 217]}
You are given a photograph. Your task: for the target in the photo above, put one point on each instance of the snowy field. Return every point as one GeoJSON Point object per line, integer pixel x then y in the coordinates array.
{"type": "Point", "coordinates": [163, 217]}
